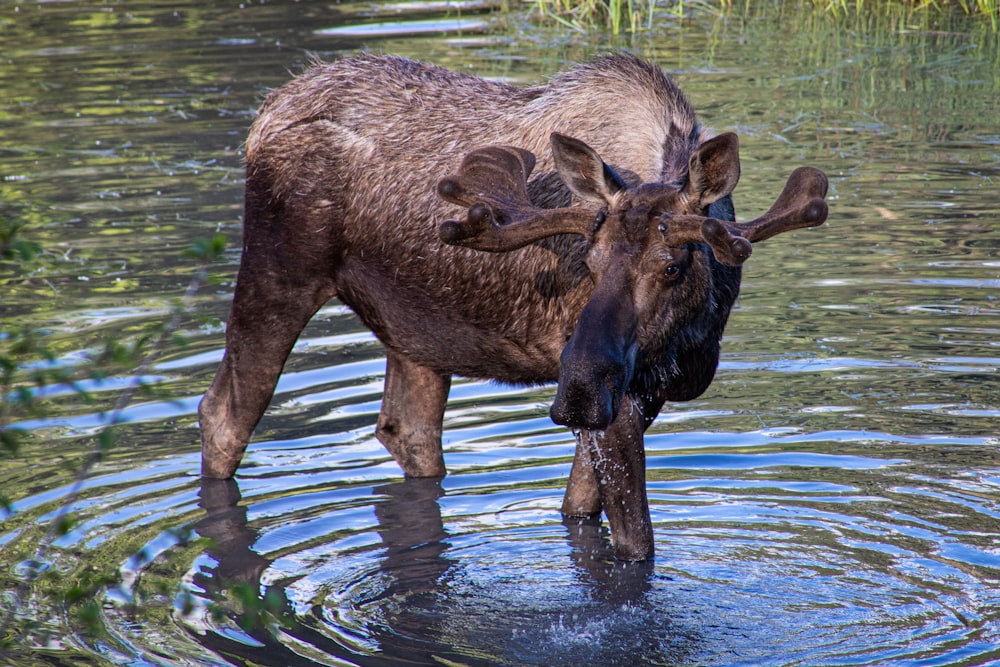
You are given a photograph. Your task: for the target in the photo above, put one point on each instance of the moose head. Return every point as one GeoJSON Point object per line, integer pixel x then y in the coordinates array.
{"type": "Point", "coordinates": [649, 278]}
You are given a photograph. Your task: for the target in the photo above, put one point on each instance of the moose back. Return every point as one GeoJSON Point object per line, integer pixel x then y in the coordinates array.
{"type": "Point", "coordinates": [612, 271]}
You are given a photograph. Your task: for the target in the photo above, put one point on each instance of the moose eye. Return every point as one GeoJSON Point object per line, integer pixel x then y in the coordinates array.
{"type": "Point", "coordinates": [672, 270]}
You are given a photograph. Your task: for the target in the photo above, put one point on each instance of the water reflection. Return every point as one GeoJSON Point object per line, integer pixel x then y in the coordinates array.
{"type": "Point", "coordinates": [403, 610]}
{"type": "Point", "coordinates": [232, 540]}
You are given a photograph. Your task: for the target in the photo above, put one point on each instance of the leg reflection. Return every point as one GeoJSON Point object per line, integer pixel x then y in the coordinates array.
{"type": "Point", "coordinates": [225, 524]}
{"type": "Point", "coordinates": [632, 621]}
{"type": "Point", "coordinates": [232, 540]}
{"type": "Point", "coordinates": [410, 525]}
{"type": "Point", "coordinates": [611, 581]}
{"type": "Point", "coordinates": [413, 536]}
{"type": "Point", "coordinates": [418, 606]}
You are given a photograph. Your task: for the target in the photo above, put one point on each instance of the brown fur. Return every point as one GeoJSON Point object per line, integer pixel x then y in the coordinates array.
{"type": "Point", "coordinates": [343, 139]}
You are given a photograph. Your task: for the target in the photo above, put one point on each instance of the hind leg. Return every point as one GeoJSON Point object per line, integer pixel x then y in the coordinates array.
{"type": "Point", "coordinates": [263, 326]}
{"type": "Point", "coordinates": [409, 423]}
{"type": "Point", "coordinates": [286, 274]}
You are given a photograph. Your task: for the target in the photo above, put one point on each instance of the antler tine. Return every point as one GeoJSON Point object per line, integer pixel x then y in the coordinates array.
{"type": "Point", "coordinates": [501, 171]}
{"type": "Point", "coordinates": [492, 183]}
{"type": "Point", "coordinates": [802, 203]}
{"type": "Point", "coordinates": [728, 248]}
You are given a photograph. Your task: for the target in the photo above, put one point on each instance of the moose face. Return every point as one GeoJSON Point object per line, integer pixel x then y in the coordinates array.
{"type": "Point", "coordinates": [650, 256]}
{"type": "Point", "coordinates": [651, 277]}
{"type": "Point", "coordinates": [648, 287]}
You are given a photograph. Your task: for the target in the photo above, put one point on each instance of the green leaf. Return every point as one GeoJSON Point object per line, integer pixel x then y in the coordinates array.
{"type": "Point", "coordinates": [10, 441]}
{"type": "Point", "coordinates": [106, 439]}
{"type": "Point", "coordinates": [65, 524]}
{"type": "Point", "coordinates": [207, 250]}
{"type": "Point", "coordinates": [90, 616]}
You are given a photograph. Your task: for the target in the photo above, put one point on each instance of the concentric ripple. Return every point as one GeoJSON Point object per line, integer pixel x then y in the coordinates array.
{"type": "Point", "coordinates": [765, 568]}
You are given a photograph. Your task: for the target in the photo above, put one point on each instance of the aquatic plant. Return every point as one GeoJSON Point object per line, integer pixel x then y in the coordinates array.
{"type": "Point", "coordinates": [31, 374]}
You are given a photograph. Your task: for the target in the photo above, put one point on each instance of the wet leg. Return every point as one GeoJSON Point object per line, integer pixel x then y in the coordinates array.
{"type": "Point", "coordinates": [267, 316]}
{"type": "Point", "coordinates": [409, 423]}
{"type": "Point", "coordinates": [583, 494]}
{"type": "Point", "coordinates": [619, 464]}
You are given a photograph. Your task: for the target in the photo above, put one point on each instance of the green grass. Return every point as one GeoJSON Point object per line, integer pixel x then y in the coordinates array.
{"type": "Point", "coordinates": [989, 10]}
{"type": "Point", "coordinates": [619, 16]}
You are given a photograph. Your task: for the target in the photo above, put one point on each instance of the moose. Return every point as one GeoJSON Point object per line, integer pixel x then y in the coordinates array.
{"type": "Point", "coordinates": [612, 271]}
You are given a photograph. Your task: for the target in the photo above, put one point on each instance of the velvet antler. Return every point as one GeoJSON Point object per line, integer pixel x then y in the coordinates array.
{"type": "Point", "coordinates": [801, 204]}
{"type": "Point", "coordinates": [492, 183]}
{"type": "Point", "coordinates": [729, 248]}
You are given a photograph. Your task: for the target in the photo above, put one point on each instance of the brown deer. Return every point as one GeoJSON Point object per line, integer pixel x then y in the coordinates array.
{"type": "Point", "coordinates": [613, 271]}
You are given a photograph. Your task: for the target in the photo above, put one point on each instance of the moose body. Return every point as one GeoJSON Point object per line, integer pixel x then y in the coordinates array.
{"type": "Point", "coordinates": [612, 271]}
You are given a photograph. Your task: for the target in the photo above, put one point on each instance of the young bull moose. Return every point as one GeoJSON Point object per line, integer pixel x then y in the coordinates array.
{"type": "Point", "coordinates": [613, 271]}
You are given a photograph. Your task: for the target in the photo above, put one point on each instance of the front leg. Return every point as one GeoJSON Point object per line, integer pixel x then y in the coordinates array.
{"type": "Point", "coordinates": [583, 494]}
{"type": "Point", "coordinates": [618, 459]}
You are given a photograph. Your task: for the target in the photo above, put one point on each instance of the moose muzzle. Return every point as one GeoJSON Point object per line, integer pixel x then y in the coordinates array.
{"type": "Point", "coordinates": [596, 366]}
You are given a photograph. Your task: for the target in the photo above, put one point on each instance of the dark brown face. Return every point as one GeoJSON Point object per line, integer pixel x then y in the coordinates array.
{"type": "Point", "coordinates": [648, 287]}
{"type": "Point", "coordinates": [651, 251]}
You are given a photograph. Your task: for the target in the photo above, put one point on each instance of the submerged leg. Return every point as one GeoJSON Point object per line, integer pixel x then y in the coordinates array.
{"type": "Point", "coordinates": [619, 464]}
{"type": "Point", "coordinates": [266, 319]}
{"type": "Point", "coordinates": [409, 423]}
{"type": "Point", "coordinates": [583, 494]}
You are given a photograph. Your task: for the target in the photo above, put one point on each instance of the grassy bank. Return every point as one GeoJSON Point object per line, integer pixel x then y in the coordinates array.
{"type": "Point", "coordinates": [620, 16]}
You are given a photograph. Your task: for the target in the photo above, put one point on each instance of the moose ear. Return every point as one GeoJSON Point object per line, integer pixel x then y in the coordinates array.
{"type": "Point", "coordinates": [583, 171]}
{"type": "Point", "coordinates": [713, 170]}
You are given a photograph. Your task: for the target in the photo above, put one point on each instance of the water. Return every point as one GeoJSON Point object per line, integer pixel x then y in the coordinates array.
{"type": "Point", "coordinates": [831, 500]}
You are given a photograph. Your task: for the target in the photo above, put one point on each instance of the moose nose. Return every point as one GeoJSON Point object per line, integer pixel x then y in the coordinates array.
{"type": "Point", "coordinates": [583, 405]}
{"type": "Point", "coordinates": [595, 367]}
{"type": "Point", "coordinates": [593, 376]}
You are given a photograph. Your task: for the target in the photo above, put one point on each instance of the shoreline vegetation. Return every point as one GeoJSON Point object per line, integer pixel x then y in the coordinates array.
{"type": "Point", "coordinates": [621, 16]}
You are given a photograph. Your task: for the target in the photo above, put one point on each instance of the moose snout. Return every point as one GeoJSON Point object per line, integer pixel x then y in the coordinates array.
{"type": "Point", "coordinates": [582, 405]}
{"type": "Point", "coordinates": [591, 385]}
{"type": "Point", "coordinates": [596, 365]}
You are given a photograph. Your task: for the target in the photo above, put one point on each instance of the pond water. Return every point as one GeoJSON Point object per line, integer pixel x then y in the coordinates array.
{"type": "Point", "coordinates": [832, 499]}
